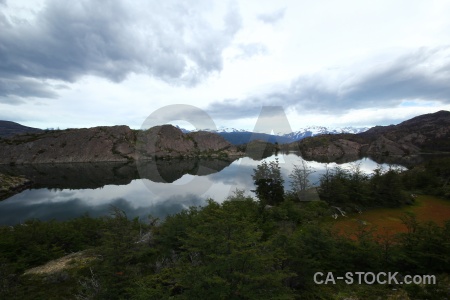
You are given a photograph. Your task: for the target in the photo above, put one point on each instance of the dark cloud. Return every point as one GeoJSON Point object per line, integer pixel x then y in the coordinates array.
{"type": "Point", "coordinates": [272, 17]}
{"type": "Point", "coordinates": [12, 100]}
{"type": "Point", "coordinates": [24, 87]}
{"type": "Point", "coordinates": [170, 41]}
{"type": "Point", "coordinates": [423, 75]}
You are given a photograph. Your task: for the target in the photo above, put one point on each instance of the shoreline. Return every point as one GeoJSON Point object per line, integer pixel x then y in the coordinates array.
{"type": "Point", "coordinates": [11, 185]}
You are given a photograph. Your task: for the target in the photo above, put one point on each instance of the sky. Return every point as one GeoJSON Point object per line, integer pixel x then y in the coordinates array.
{"type": "Point", "coordinates": [73, 64]}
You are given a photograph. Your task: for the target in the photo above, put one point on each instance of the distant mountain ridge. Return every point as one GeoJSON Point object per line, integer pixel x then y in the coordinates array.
{"type": "Point", "coordinates": [319, 130]}
{"type": "Point", "coordinates": [240, 136]}
{"type": "Point", "coordinates": [232, 135]}
{"type": "Point", "coordinates": [8, 129]}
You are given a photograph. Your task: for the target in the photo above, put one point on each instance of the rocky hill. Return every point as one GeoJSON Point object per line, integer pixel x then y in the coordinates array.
{"type": "Point", "coordinates": [169, 141]}
{"type": "Point", "coordinates": [9, 129]}
{"type": "Point", "coordinates": [116, 143]}
{"type": "Point", "coordinates": [422, 134]}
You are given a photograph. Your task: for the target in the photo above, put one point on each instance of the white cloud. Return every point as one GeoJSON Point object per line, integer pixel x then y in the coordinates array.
{"type": "Point", "coordinates": [272, 17]}
{"type": "Point", "coordinates": [121, 61]}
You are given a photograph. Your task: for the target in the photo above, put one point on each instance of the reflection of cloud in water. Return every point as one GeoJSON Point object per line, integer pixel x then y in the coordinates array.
{"type": "Point", "coordinates": [13, 212]}
{"type": "Point", "coordinates": [140, 197]}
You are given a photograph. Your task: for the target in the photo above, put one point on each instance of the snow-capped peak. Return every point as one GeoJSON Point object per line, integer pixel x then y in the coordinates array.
{"type": "Point", "coordinates": [293, 136]}
{"type": "Point", "coordinates": [318, 130]}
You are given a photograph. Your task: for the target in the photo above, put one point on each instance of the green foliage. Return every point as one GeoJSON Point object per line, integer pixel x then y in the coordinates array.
{"type": "Point", "coordinates": [231, 250]}
{"type": "Point", "coordinates": [353, 189]}
{"type": "Point", "coordinates": [425, 247]}
{"type": "Point", "coordinates": [386, 187]}
{"type": "Point", "coordinates": [238, 249]}
{"type": "Point", "coordinates": [432, 178]}
{"type": "Point", "coordinates": [269, 183]}
{"type": "Point", "coordinates": [224, 249]}
{"type": "Point", "coordinates": [35, 242]}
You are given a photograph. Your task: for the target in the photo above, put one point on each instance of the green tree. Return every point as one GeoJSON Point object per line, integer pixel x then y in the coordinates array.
{"type": "Point", "coordinates": [386, 187]}
{"type": "Point", "coordinates": [223, 254]}
{"type": "Point", "coordinates": [269, 183]}
{"type": "Point", "coordinates": [334, 186]}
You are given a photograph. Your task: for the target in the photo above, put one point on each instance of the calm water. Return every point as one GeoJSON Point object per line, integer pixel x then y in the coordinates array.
{"type": "Point", "coordinates": [66, 191]}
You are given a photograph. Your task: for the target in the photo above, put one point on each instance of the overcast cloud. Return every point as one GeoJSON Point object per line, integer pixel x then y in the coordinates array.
{"type": "Point", "coordinates": [172, 41]}
{"type": "Point", "coordinates": [89, 63]}
{"type": "Point", "coordinates": [422, 75]}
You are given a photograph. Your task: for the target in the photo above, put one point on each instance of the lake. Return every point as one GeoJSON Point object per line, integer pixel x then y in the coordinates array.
{"type": "Point", "coordinates": [64, 191]}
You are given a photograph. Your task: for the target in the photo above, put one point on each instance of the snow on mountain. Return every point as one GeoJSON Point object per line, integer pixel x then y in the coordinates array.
{"type": "Point", "coordinates": [354, 130]}
{"type": "Point", "coordinates": [183, 130]}
{"type": "Point", "coordinates": [219, 130]}
{"type": "Point", "coordinates": [318, 130]}
{"type": "Point", "coordinates": [293, 136]}
{"type": "Point", "coordinates": [226, 129]}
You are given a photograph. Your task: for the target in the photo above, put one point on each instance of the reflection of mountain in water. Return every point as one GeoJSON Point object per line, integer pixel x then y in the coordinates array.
{"type": "Point", "coordinates": [173, 169]}
{"type": "Point", "coordinates": [406, 161]}
{"type": "Point", "coordinates": [341, 160]}
{"type": "Point", "coordinates": [95, 175]}
{"type": "Point", "coordinates": [74, 176]}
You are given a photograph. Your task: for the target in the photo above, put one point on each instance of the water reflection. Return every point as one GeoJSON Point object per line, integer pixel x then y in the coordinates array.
{"type": "Point", "coordinates": [158, 188]}
{"type": "Point", "coordinates": [95, 175]}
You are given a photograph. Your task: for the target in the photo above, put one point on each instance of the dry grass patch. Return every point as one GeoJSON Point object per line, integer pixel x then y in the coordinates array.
{"type": "Point", "coordinates": [74, 260]}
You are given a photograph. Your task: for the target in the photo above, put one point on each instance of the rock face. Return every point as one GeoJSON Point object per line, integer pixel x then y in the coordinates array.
{"type": "Point", "coordinates": [165, 140]}
{"type": "Point", "coordinates": [337, 148]}
{"type": "Point", "coordinates": [207, 141]}
{"type": "Point", "coordinates": [73, 145]}
{"type": "Point", "coordinates": [384, 146]}
{"type": "Point", "coordinates": [426, 133]}
{"type": "Point", "coordinates": [10, 185]}
{"type": "Point", "coordinates": [114, 144]}
{"type": "Point", "coordinates": [169, 141]}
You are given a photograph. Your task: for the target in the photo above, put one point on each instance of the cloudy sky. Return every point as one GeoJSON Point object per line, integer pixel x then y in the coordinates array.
{"type": "Point", "coordinates": [333, 63]}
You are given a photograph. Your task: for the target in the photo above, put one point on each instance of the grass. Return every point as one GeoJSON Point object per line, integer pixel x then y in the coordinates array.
{"type": "Point", "coordinates": [389, 220]}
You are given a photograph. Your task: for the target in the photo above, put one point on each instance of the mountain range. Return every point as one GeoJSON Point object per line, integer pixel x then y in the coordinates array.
{"type": "Point", "coordinates": [239, 136]}
{"type": "Point", "coordinates": [428, 133]}
{"type": "Point", "coordinates": [232, 135]}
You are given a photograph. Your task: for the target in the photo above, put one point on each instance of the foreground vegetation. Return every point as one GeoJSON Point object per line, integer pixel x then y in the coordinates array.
{"type": "Point", "coordinates": [269, 248]}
